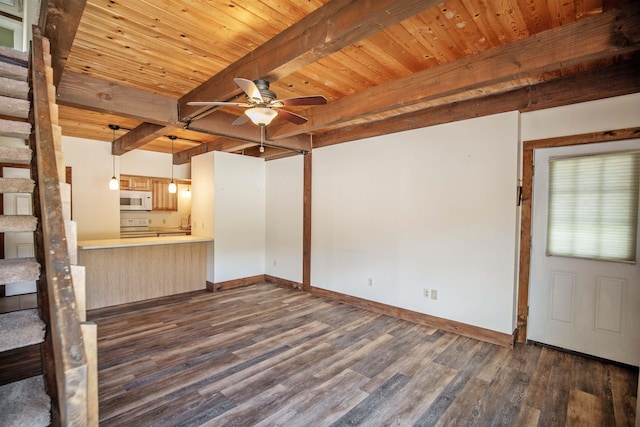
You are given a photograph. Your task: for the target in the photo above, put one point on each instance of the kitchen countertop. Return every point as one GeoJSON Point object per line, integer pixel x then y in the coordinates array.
{"type": "Point", "coordinates": [140, 241]}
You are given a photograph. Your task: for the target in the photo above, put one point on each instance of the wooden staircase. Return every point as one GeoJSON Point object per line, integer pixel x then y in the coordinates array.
{"type": "Point", "coordinates": [66, 392]}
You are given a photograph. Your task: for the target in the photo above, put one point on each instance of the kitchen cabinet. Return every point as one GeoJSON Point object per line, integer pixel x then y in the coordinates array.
{"type": "Point", "coordinates": [162, 199]}
{"type": "Point", "coordinates": [131, 182]}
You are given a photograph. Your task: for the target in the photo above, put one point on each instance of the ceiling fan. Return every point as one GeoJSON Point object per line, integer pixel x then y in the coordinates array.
{"type": "Point", "coordinates": [262, 104]}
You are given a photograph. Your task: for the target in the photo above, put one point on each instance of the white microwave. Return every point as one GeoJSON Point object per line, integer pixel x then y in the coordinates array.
{"type": "Point", "coordinates": [135, 200]}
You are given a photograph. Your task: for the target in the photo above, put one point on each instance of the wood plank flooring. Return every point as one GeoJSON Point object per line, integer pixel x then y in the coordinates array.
{"type": "Point", "coordinates": [264, 355]}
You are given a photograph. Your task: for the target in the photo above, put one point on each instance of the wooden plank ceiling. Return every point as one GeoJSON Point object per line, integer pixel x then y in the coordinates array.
{"type": "Point", "coordinates": [383, 65]}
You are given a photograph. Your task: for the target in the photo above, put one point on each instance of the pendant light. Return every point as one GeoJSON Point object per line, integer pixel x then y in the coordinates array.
{"type": "Point", "coordinates": [114, 184]}
{"type": "Point", "coordinates": [172, 185]}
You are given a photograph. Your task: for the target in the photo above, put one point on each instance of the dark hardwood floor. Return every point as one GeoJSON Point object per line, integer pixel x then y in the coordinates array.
{"type": "Point", "coordinates": [264, 355]}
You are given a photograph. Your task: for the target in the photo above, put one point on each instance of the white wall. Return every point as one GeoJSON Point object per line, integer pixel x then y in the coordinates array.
{"type": "Point", "coordinates": [239, 216]}
{"type": "Point", "coordinates": [429, 208]}
{"type": "Point", "coordinates": [228, 204]}
{"type": "Point", "coordinates": [95, 207]}
{"type": "Point", "coordinates": [595, 116]}
{"type": "Point", "coordinates": [284, 205]}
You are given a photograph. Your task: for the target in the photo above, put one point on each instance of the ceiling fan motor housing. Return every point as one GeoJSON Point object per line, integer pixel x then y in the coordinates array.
{"type": "Point", "coordinates": [263, 88]}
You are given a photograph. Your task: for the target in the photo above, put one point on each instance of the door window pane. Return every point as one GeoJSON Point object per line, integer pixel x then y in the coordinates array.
{"type": "Point", "coordinates": [593, 206]}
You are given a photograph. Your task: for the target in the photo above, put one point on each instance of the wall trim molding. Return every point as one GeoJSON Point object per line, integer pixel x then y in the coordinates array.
{"type": "Point", "coordinates": [283, 282]}
{"type": "Point", "coordinates": [235, 283]}
{"type": "Point", "coordinates": [475, 332]}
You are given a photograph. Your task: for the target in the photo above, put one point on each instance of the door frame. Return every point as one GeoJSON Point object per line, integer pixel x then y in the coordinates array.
{"type": "Point", "coordinates": [528, 148]}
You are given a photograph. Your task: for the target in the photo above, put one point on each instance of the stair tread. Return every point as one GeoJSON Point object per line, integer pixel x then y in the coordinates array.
{"type": "Point", "coordinates": [15, 155]}
{"type": "Point", "coordinates": [20, 329]}
{"type": "Point", "coordinates": [16, 185]}
{"type": "Point", "coordinates": [13, 107]}
{"type": "Point", "coordinates": [18, 223]}
{"type": "Point", "coordinates": [19, 270]}
{"type": "Point", "coordinates": [13, 88]}
{"type": "Point", "coordinates": [13, 71]}
{"type": "Point", "coordinates": [25, 403]}
{"type": "Point", "coordinates": [18, 55]}
{"type": "Point", "coordinates": [15, 129]}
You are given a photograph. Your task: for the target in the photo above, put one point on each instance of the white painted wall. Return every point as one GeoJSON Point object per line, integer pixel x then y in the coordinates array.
{"type": "Point", "coordinates": [229, 198]}
{"type": "Point", "coordinates": [239, 216]}
{"type": "Point", "coordinates": [95, 207]}
{"type": "Point", "coordinates": [429, 208]}
{"type": "Point", "coordinates": [605, 114]}
{"type": "Point", "coordinates": [284, 205]}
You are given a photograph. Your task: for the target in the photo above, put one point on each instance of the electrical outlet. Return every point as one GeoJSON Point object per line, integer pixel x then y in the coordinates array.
{"type": "Point", "coordinates": [370, 281]}
{"type": "Point", "coordinates": [426, 293]}
{"type": "Point", "coordinates": [434, 294]}
{"type": "Point", "coordinates": [274, 262]}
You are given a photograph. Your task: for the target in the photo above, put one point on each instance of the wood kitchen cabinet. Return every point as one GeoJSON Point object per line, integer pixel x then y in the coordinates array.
{"type": "Point", "coordinates": [131, 182]}
{"type": "Point", "coordinates": [162, 199]}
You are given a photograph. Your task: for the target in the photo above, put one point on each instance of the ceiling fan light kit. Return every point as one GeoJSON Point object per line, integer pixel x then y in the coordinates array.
{"type": "Point", "coordinates": [261, 116]}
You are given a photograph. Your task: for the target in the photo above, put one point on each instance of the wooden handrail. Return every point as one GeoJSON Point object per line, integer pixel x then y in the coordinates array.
{"type": "Point", "coordinates": [67, 361]}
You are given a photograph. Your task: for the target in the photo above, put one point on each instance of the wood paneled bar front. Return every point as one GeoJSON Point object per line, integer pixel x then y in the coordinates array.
{"type": "Point", "coordinates": [120, 271]}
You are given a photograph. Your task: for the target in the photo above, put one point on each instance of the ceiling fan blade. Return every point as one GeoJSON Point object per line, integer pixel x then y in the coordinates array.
{"type": "Point", "coordinates": [249, 88]}
{"type": "Point", "coordinates": [292, 117]}
{"type": "Point", "coordinates": [220, 103]}
{"type": "Point", "coordinates": [240, 120]}
{"type": "Point", "coordinates": [304, 100]}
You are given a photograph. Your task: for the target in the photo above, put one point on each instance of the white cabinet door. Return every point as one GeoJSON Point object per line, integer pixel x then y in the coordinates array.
{"type": "Point", "coordinates": [588, 306]}
{"type": "Point", "coordinates": [18, 245]}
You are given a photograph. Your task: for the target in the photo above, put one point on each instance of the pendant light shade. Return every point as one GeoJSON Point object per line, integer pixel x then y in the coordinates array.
{"type": "Point", "coordinates": [172, 185]}
{"type": "Point", "coordinates": [261, 116]}
{"type": "Point", "coordinates": [114, 184]}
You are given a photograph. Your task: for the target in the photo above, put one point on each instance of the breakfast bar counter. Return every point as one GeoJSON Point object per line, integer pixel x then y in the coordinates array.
{"type": "Point", "coordinates": [120, 271]}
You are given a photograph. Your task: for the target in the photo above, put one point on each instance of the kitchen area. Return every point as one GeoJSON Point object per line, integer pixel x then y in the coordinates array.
{"type": "Point", "coordinates": [154, 255]}
{"type": "Point", "coordinates": [148, 209]}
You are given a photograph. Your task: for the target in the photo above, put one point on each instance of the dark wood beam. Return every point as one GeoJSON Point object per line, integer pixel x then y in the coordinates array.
{"type": "Point", "coordinates": [138, 137]}
{"type": "Point", "coordinates": [221, 144]}
{"type": "Point", "coordinates": [497, 70]}
{"type": "Point", "coordinates": [330, 28]}
{"type": "Point", "coordinates": [62, 20]}
{"type": "Point", "coordinates": [306, 222]}
{"type": "Point", "coordinates": [88, 93]}
{"type": "Point", "coordinates": [614, 80]}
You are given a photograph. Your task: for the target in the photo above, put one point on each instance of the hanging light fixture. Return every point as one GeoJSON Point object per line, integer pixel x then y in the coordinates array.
{"type": "Point", "coordinates": [114, 184]}
{"type": "Point", "coordinates": [261, 116]}
{"type": "Point", "coordinates": [172, 185]}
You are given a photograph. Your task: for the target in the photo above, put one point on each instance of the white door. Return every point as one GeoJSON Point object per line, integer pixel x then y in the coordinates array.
{"type": "Point", "coordinates": [18, 245]}
{"type": "Point", "coordinates": [588, 306]}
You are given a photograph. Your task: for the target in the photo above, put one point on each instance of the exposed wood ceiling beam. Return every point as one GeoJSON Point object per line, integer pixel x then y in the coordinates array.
{"type": "Point", "coordinates": [337, 24]}
{"type": "Point", "coordinates": [219, 145]}
{"type": "Point", "coordinates": [88, 93]}
{"type": "Point", "coordinates": [62, 20]}
{"type": "Point", "coordinates": [614, 80]}
{"type": "Point", "coordinates": [138, 137]}
{"type": "Point", "coordinates": [497, 70]}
